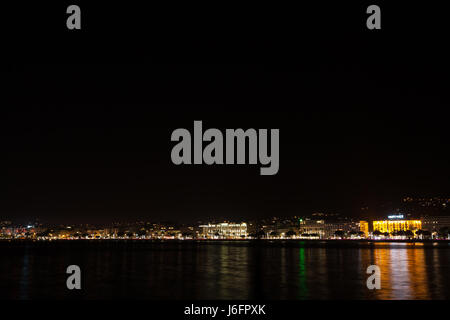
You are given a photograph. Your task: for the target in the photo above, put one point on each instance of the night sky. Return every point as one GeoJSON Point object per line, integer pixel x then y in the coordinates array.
{"type": "Point", "coordinates": [86, 131]}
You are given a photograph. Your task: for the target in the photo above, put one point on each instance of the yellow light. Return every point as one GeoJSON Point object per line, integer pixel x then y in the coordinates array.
{"type": "Point", "coordinates": [396, 225]}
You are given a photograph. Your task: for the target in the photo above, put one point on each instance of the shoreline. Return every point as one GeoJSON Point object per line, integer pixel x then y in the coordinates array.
{"type": "Point", "coordinates": [238, 240]}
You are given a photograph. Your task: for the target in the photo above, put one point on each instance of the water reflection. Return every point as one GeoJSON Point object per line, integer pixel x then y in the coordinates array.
{"type": "Point", "coordinates": [302, 286]}
{"type": "Point", "coordinates": [403, 271]}
{"type": "Point", "coordinates": [24, 276]}
{"type": "Point", "coordinates": [227, 270]}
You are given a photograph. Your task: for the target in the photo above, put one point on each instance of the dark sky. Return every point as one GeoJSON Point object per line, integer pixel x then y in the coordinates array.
{"type": "Point", "coordinates": [86, 132]}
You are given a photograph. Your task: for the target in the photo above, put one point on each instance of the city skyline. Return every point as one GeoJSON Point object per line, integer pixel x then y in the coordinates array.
{"type": "Point", "coordinates": [416, 221]}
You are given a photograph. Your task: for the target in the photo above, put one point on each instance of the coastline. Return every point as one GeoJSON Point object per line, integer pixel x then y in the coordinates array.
{"type": "Point", "coordinates": [238, 240]}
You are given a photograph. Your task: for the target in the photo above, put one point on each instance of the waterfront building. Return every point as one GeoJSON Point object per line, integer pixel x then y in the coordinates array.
{"type": "Point", "coordinates": [435, 223]}
{"type": "Point", "coordinates": [313, 227]}
{"type": "Point", "coordinates": [224, 230]}
{"type": "Point", "coordinates": [396, 223]}
{"type": "Point", "coordinates": [327, 229]}
{"type": "Point", "coordinates": [364, 227]}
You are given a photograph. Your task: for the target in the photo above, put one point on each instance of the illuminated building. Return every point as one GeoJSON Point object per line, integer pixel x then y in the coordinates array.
{"type": "Point", "coordinates": [326, 229]}
{"type": "Point", "coordinates": [396, 223]}
{"type": "Point", "coordinates": [313, 227]}
{"type": "Point", "coordinates": [224, 230]}
{"type": "Point", "coordinates": [364, 227]}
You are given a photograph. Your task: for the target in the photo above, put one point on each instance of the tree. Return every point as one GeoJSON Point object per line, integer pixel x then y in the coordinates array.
{"type": "Point", "coordinates": [43, 233]}
{"type": "Point", "coordinates": [290, 234]}
{"type": "Point", "coordinates": [400, 233]}
{"type": "Point", "coordinates": [273, 234]}
{"type": "Point", "coordinates": [377, 233]}
{"type": "Point", "coordinates": [423, 233]}
{"type": "Point", "coordinates": [426, 234]}
{"type": "Point", "coordinates": [260, 234]}
{"type": "Point", "coordinates": [409, 234]}
{"type": "Point", "coordinates": [443, 232]}
{"type": "Point", "coordinates": [339, 233]}
{"type": "Point", "coordinates": [142, 232]}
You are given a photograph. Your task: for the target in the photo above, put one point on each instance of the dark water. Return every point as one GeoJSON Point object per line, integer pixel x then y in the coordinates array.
{"type": "Point", "coordinates": [224, 270]}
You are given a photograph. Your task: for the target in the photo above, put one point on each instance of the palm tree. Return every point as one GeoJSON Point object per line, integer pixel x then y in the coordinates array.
{"type": "Point", "coordinates": [409, 234]}
{"type": "Point", "coordinates": [426, 234]}
{"type": "Point", "coordinates": [420, 233]}
{"type": "Point", "coordinates": [260, 234]}
{"type": "Point", "coordinates": [142, 232]}
{"type": "Point", "coordinates": [290, 234]}
{"type": "Point", "coordinates": [44, 233]}
{"type": "Point", "coordinates": [444, 232]}
{"type": "Point", "coordinates": [187, 234]}
{"type": "Point", "coordinates": [400, 233]}
{"type": "Point", "coordinates": [339, 233]}
{"type": "Point", "coordinates": [377, 233]}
